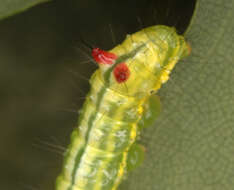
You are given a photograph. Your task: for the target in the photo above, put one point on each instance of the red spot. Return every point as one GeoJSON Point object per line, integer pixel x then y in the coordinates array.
{"type": "Point", "coordinates": [103, 57]}
{"type": "Point", "coordinates": [121, 72]}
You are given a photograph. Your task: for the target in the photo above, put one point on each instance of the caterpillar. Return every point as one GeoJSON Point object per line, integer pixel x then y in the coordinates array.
{"type": "Point", "coordinates": [120, 103]}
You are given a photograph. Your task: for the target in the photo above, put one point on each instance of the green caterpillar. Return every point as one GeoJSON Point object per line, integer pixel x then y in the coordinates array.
{"type": "Point", "coordinates": [119, 104]}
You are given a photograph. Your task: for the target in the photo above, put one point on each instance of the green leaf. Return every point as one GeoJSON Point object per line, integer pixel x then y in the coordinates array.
{"type": "Point", "coordinates": [191, 146]}
{"type": "Point", "coordinates": [11, 7]}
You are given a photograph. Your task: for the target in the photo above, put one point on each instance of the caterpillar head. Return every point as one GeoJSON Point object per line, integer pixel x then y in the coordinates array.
{"type": "Point", "coordinates": [139, 65]}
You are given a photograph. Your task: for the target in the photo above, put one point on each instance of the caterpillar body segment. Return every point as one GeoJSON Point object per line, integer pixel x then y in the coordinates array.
{"type": "Point", "coordinates": [116, 108]}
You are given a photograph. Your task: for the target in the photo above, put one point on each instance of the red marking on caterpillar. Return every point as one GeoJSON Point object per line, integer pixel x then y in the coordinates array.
{"type": "Point", "coordinates": [103, 57]}
{"type": "Point", "coordinates": [121, 72]}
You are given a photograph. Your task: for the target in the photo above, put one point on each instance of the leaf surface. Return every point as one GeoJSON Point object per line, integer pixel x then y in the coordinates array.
{"type": "Point", "coordinates": [11, 7]}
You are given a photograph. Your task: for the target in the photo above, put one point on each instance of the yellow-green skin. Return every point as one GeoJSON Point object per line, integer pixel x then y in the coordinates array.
{"type": "Point", "coordinates": [108, 125]}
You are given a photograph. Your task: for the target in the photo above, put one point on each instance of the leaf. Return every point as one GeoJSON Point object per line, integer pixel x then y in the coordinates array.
{"type": "Point", "coordinates": [11, 7]}
{"type": "Point", "coordinates": [191, 146]}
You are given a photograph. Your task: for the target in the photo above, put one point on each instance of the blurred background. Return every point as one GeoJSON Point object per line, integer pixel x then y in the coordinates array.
{"type": "Point", "coordinates": [44, 72]}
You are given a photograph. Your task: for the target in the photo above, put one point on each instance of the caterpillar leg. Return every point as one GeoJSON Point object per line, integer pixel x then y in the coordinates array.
{"type": "Point", "coordinates": [135, 156]}
{"type": "Point", "coordinates": [151, 112]}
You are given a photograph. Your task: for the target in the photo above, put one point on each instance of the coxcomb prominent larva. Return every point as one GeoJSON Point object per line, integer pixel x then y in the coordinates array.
{"type": "Point", "coordinates": [119, 104]}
